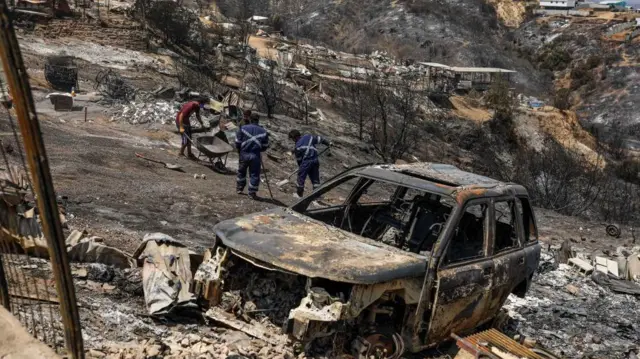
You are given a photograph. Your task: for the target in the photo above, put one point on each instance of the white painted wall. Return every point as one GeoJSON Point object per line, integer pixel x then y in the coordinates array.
{"type": "Point", "coordinates": [565, 4]}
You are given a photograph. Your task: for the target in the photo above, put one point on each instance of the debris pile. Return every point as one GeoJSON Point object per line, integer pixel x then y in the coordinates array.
{"type": "Point", "coordinates": [193, 344]}
{"type": "Point", "coordinates": [567, 308]}
{"type": "Point", "coordinates": [161, 112]}
{"type": "Point", "coordinates": [261, 295]}
{"type": "Point", "coordinates": [113, 87]}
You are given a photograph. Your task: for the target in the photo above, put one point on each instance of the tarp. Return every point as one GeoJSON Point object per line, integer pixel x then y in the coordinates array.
{"type": "Point", "coordinates": [216, 106]}
{"type": "Point", "coordinates": [166, 274]}
{"type": "Point", "coordinates": [92, 252]}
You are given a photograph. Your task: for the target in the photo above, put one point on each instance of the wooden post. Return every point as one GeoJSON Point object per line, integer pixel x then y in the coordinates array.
{"type": "Point", "coordinates": [5, 300]}
{"type": "Point", "coordinates": [85, 114]}
{"type": "Point", "coordinates": [42, 183]}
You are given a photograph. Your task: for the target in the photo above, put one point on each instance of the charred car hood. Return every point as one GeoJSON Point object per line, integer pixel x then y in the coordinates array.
{"type": "Point", "coordinates": [291, 241]}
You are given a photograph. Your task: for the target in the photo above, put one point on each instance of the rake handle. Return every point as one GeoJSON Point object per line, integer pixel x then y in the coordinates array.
{"type": "Point", "coordinates": [149, 159]}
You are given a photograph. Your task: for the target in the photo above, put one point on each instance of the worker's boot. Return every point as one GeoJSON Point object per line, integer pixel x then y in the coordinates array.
{"type": "Point", "coordinates": [253, 196]}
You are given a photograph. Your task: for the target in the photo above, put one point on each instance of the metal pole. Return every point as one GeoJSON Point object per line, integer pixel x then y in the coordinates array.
{"type": "Point", "coordinates": [5, 300]}
{"type": "Point", "coordinates": [42, 183]}
{"type": "Point", "coordinates": [266, 179]}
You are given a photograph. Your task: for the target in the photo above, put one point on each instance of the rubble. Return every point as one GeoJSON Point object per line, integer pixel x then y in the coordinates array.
{"type": "Point", "coordinates": [161, 112]}
{"type": "Point", "coordinates": [574, 315]}
{"type": "Point", "coordinates": [148, 111]}
{"type": "Point", "coordinates": [261, 295]}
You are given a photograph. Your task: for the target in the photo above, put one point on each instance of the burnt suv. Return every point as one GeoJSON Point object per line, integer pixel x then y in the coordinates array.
{"type": "Point", "coordinates": [397, 257]}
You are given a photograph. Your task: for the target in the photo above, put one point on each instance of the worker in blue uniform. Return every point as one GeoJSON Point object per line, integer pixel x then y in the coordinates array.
{"type": "Point", "coordinates": [251, 141]}
{"type": "Point", "coordinates": [307, 157]}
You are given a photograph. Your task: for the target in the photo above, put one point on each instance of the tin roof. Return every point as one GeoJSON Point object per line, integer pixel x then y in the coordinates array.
{"type": "Point", "coordinates": [467, 69]}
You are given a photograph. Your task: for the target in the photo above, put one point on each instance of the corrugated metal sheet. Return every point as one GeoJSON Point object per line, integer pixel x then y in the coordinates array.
{"type": "Point", "coordinates": [467, 69]}
{"type": "Point", "coordinates": [494, 338]}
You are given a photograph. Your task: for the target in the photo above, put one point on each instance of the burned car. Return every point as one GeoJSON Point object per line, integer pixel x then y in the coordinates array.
{"type": "Point", "coordinates": [397, 257]}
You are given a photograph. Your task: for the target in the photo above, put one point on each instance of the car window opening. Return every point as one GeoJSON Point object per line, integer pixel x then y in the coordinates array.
{"type": "Point", "coordinates": [395, 215]}
{"type": "Point", "coordinates": [468, 241]}
{"type": "Point", "coordinates": [506, 228]}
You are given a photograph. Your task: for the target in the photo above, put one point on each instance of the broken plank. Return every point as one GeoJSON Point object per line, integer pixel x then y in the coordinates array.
{"type": "Point", "coordinates": [255, 330]}
{"type": "Point", "coordinates": [624, 287]}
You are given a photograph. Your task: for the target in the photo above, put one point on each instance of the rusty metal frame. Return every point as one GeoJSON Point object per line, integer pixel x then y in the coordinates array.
{"type": "Point", "coordinates": [16, 76]}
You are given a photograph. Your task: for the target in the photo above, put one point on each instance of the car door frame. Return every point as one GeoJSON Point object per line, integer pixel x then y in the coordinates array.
{"type": "Point", "coordinates": [449, 278]}
{"type": "Point", "coordinates": [532, 248]}
{"type": "Point", "coordinates": [328, 186]}
{"type": "Point", "coordinates": [509, 265]}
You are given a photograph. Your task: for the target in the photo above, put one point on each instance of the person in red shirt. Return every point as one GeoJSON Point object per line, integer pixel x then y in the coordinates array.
{"type": "Point", "coordinates": [184, 124]}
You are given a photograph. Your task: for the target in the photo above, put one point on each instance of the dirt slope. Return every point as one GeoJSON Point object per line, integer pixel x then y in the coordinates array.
{"type": "Point", "coordinates": [510, 12]}
{"type": "Point", "coordinates": [457, 33]}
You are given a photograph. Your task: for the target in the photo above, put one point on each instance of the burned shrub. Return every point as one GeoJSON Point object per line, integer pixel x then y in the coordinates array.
{"type": "Point", "coordinates": [554, 58]}
{"type": "Point", "coordinates": [614, 139]}
{"type": "Point", "coordinates": [113, 87]}
{"type": "Point", "coordinates": [611, 58]}
{"type": "Point", "coordinates": [61, 72]}
{"type": "Point", "coordinates": [593, 61]}
{"type": "Point", "coordinates": [581, 75]}
{"type": "Point", "coordinates": [561, 99]}
{"type": "Point", "coordinates": [393, 123]}
{"type": "Point", "coordinates": [174, 22]}
{"type": "Point", "coordinates": [628, 170]}
{"type": "Point", "coordinates": [198, 77]}
{"type": "Point", "coordinates": [355, 101]}
{"type": "Point", "coordinates": [499, 99]}
{"type": "Point", "coordinates": [269, 87]}
{"type": "Point", "coordinates": [620, 202]}
{"type": "Point", "coordinates": [560, 179]}
{"type": "Point", "coordinates": [421, 7]}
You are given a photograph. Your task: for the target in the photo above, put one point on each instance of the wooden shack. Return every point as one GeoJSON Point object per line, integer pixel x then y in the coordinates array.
{"type": "Point", "coordinates": [443, 78]}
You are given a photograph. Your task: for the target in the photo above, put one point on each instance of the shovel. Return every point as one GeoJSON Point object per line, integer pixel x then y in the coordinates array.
{"type": "Point", "coordinates": [170, 166]}
{"type": "Point", "coordinates": [286, 180]}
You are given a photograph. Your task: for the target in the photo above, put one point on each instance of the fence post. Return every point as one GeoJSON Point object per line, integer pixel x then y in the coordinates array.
{"type": "Point", "coordinates": [4, 288]}
{"type": "Point", "coordinates": [15, 73]}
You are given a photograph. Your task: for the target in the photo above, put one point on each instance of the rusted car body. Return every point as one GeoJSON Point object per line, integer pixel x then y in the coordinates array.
{"type": "Point", "coordinates": [399, 256]}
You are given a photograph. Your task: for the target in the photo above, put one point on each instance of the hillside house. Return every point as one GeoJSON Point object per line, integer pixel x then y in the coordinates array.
{"type": "Point", "coordinates": [443, 78]}
{"type": "Point", "coordinates": [558, 4]}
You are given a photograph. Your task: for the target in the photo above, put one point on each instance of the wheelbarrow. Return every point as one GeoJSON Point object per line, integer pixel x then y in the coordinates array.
{"type": "Point", "coordinates": [215, 148]}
